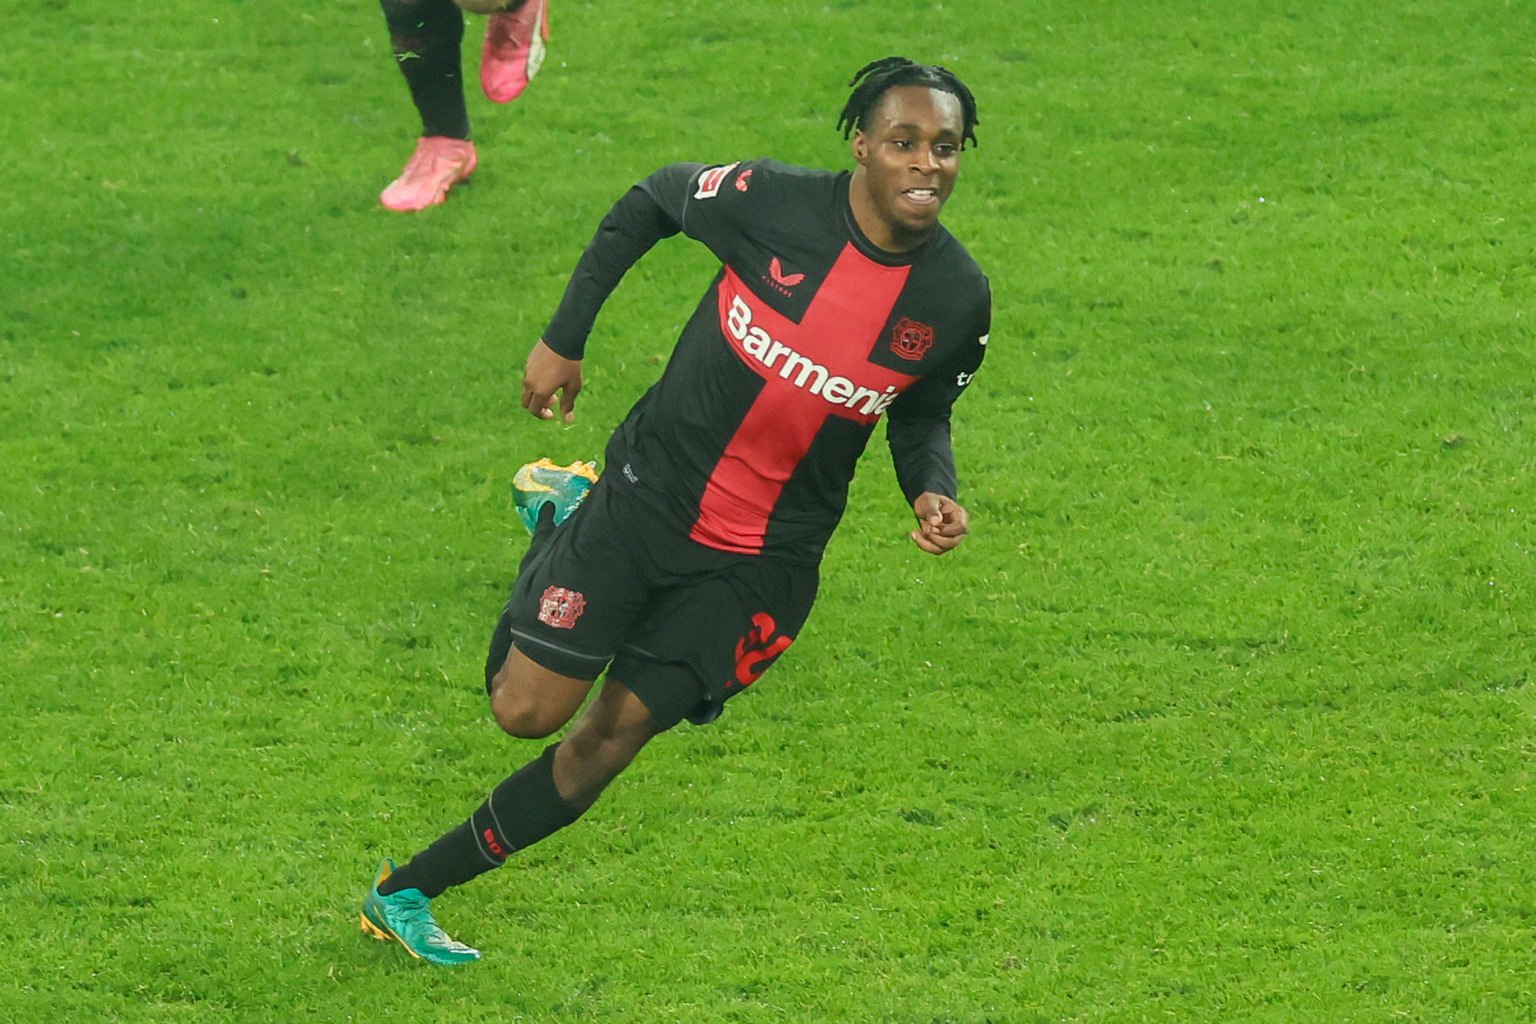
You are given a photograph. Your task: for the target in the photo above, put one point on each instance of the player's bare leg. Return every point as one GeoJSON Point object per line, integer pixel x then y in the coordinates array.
{"type": "Point", "coordinates": [531, 701]}
{"type": "Point", "coordinates": [602, 743]}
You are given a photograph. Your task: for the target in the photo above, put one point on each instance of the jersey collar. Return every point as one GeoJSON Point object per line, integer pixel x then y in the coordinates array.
{"type": "Point", "coordinates": [861, 241]}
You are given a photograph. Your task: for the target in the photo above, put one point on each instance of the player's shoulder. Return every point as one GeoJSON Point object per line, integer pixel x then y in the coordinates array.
{"type": "Point", "coordinates": [781, 171]}
{"type": "Point", "coordinates": [757, 178]}
{"type": "Point", "coordinates": [948, 257]}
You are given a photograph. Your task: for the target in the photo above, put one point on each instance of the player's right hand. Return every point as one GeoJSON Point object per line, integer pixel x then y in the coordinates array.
{"type": "Point", "coordinates": [547, 374]}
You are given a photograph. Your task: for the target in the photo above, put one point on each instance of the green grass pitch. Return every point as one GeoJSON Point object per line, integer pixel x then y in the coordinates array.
{"type": "Point", "coordinates": [1223, 713]}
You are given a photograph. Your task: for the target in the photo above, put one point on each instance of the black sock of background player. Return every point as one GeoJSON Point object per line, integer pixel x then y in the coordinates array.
{"type": "Point", "coordinates": [425, 36]}
{"type": "Point", "coordinates": [523, 809]}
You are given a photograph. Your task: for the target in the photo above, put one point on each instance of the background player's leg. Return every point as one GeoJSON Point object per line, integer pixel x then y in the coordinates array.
{"type": "Point", "coordinates": [425, 36]}
{"type": "Point", "coordinates": [514, 48]}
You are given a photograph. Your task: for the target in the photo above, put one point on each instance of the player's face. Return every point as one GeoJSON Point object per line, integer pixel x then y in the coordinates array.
{"type": "Point", "coordinates": [908, 154]}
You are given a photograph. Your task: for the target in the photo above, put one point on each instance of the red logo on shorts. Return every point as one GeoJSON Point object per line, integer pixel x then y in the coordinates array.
{"type": "Point", "coordinates": [560, 608]}
{"type": "Point", "coordinates": [910, 339]}
{"type": "Point", "coordinates": [756, 651]}
{"type": "Point", "coordinates": [742, 179]}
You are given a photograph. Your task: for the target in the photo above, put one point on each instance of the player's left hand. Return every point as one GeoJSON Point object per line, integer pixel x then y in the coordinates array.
{"type": "Point", "coordinates": [941, 523]}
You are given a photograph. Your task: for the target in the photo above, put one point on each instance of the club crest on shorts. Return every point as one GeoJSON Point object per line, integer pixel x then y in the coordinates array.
{"type": "Point", "coordinates": [559, 608]}
{"type": "Point", "coordinates": [910, 339]}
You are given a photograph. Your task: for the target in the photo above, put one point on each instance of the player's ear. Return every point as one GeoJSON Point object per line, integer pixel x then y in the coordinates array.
{"type": "Point", "coordinates": [860, 147]}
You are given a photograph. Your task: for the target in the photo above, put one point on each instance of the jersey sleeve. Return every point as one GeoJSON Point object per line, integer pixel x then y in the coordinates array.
{"type": "Point", "coordinates": [917, 423]}
{"type": "Point", "coordinates": [706, 202]}
{"type": "Point", "coordinates": [647, 213]}
{"type": "Point", "coordinates": [721, 202]}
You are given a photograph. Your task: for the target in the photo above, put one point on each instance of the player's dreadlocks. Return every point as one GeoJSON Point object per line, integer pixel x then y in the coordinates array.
{"type": "Point", "coordinates": [872, 80]}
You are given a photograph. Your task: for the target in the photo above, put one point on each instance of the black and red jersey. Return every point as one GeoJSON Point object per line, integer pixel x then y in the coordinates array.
{"type": "Point", "coordinates": [807, 336]}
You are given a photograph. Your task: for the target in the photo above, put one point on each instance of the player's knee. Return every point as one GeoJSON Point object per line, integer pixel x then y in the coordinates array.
{"type": "Point", "coordinates": [524, 718]}
{"type": "Point", "coordinates": [530, 701]}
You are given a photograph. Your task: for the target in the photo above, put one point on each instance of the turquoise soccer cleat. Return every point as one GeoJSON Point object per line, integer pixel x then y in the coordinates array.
{"type": "Point", "coordinates": [404, 917]}
{"type": "Point", "coordinates": [543, 483]}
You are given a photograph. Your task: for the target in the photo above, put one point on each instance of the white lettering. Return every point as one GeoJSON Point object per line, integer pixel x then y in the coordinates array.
{"type": "Point", "coordinates": [807, 369]}
{"type": "Point", "coordinates": [865, 395]}
{"type": "Point", "coordinates": [837, 390]}
{"type": "Point", "coordinates": [778, 349]}
{"type": "Point", "coordinates": [800, 370]}
{"type": "Point", "coordinates": [738, 318]}
{"type": "Point", "coordinates": [756, 343]}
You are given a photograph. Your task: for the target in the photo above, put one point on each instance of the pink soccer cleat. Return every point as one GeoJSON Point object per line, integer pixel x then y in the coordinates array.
{"type": "Point", "coordinates": [438, 164]}
{"type": "Point", "coordinates": [514, 50]}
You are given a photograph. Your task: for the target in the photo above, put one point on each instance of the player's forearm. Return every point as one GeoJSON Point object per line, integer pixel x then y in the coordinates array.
{"type": "Point", "coordinates": [923, 456]}
{"type": "Point", "coordinates": [635, 224]}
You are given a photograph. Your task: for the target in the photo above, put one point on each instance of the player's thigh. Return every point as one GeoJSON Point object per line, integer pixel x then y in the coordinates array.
{"type": "Point", "coordinates": [705, 643]}
{"type": "Point", "coordinates": [574, 605]}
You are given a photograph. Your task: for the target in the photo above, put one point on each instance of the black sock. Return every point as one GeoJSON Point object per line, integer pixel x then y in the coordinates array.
{"type": "Point", "coordinates": [451, 860]}
{"type": "Point", "coordinates": [425, 36]}
{"type": "Point", "coordinates": [523, 809]}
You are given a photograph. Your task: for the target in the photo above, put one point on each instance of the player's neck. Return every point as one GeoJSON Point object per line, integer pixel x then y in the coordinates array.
{"type": "Point", "coordinates": [882, 234]}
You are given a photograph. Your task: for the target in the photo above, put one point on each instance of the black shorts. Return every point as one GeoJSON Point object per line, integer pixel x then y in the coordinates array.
{"type": "Point", "coordinates": [684, 626]}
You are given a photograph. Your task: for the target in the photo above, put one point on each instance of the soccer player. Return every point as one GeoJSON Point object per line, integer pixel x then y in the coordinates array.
{"type": "Point", "coordinates": [425, 36]}
{"type": "Point", "coordinates": [691, 564]}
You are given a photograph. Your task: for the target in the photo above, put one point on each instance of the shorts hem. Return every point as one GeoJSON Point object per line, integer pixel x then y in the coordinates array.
{"type": "Point", "coordinates": [560, 659]}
